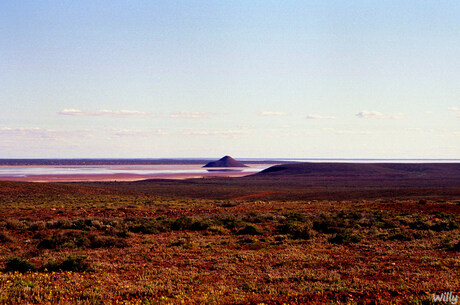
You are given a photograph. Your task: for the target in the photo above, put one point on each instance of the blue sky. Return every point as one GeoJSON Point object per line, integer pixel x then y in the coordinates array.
{"type": "Point", "coordinates": [324, 79]}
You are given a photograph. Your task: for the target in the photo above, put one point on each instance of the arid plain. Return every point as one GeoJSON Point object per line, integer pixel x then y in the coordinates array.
{"type": "Point", "coordinates": [293, 234]}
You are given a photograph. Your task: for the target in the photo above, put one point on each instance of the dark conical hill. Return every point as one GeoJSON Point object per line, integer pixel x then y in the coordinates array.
{"type": "Point", "coordinates": [226, 161]}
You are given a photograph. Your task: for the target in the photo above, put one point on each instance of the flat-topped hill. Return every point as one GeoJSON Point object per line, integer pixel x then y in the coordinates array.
{"type": "Point", "coordinates": [365, 170]}
{"type": "Point", "coordinates": [226, 161]}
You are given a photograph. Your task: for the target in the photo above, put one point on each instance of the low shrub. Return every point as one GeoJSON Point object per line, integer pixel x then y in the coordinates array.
{"type": "Point", "coordinates": [5, 237]}
{"type": "Point", "coordinates": [328, 225]}
{"type": "Point", "coordinates": [71, 239]}
{"type": "Point", "coordinates": [249, 229]}
{"type": "Point", "coordinates": [445, 226]}
{"type": "Point", "coordinates": [98, 241]}
{"type": "Point", "coordinates": [450, 245]}
{"type": "Point", "coordinates": [420, 225]}
{"type": "Point", "coordinates": [402, 236]}
{"type": "Point", "coordinates": [79, 239]}
{"type": "Point", "coordinates": [230, 222]}
{"type": "Point", "coordinates": [78, 263]}
{"type": "Point", "coordinates": [19, 264]}
{"type": "Point", "coordinates": [345, 237]}
{"type": "Point", "coordinates": [295, 230]}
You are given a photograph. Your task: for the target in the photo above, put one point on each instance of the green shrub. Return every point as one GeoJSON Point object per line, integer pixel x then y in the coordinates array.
{"type": "Point", "coordinates": [295, 230]}
{"type": "Point", "coordinates": [402, 236]}
{"type": "Point", "coordinates": [77, 263]}
{"type": "Point", "coordinates": [182, 223]}
{"type": "Point", "coordinates": [98, 241]}
{"type": "Point", "coordinates": [69, 239]}
{"type": "Point", "coordinates": [149, 225]}
{"type": "Point", "coordinates": [328, 225]}
{"type": "Point", "coordinates": [19, 264]}
{"type": "Point", "coordinates": [294, 216]}
{"type": "Point", "coordinates": [450, 245]}
{"type": "Point", "coordinates": [419, 225]}
{"type": "Point", "coordinates": [250, 229]}
{"type": "Point", "coordinates": [345, 237]}
{"type": "Point", "coordinates": [445, 226]}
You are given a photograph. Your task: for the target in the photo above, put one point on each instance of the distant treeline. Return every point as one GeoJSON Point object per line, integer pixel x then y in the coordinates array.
{"type": "Point", "coordinates": [18, 162]}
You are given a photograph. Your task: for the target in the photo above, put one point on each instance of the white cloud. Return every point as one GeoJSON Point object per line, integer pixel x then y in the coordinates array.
{"type": "Point", "coordinates": [139, 133]}
{"type": "Point", "coordinates": [74, 112]}
{"type": "Point", "coordinates": [320, 117]}
{"type": "Point", "coordinates": [120, 113]}
{"type": "Point", "coordinates": [413, 129]}
{"type": "Point", "coordinates": [272, 113]}
{"type": "Point", "coordinates": [226, 132]}
{"type": "Point", "coordinates": [365, 114]}
{"type": "Point", "coordinates": [189, 115]}
{"type": "Point", "coordinates": [348, 132]}
{"type": "Point", "coordinates": [456, 110]}
{"type": "Point", "coordinates": [41, 133]}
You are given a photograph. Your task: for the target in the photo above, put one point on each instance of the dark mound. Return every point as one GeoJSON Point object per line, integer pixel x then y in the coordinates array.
{"type": "Point", "coordinates": [226, 161]}
{"type": "Point", "coordinates": [365, 170]}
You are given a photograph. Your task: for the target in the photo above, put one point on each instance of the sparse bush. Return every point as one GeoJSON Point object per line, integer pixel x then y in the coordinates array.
{"type": "Point", "coordinates": [200, 225]}
{"type": "Point", "coordinates": [182, 223]}
{"type": "Point", "coordinates": [216, 229]}
{"type": "Point", "coordinates": [450, 245]}
{"type": "Point", "coordinates": [149, 226]}
{"type": "Point", "coordinates": [5, 237]}
{"type": "Point", "coordinates": [328, 225]}
{"type": "Point", "coordinates": [419, 225]}
{"type": "Point", "coordinates": [249, 230]}
{"type": "Point", "coordinates": [78, 263]}
{"type": "Point", "coordinates": [294, 216]}
{"type": "Point", "coordinates": [402, 236]}
{"type": "Point", "coordinates": [98, 241]}
{"type": "Point", "coordinates": [59, 224]}
{"type": "Point", "coordinates": [230, 222]}
{"type": "Point", "coordinates": [19, 264]}
{"type": "Point", "coordinates": [69, 239]}
{"type": "Point", "coordinates": [295, 230]}
{"type": "Point", "coordinates": [82, 224]}
{"type": "Point", "coordinates": [14, 224]}
{"type": "Point", "coordinates": [37, 226]}
{"type": "Point", "coordinates": [445, 226]}
{"type": "Point", "coordinates": [345, 237]}
{"type": "Point", "coordinates": [422, 201]}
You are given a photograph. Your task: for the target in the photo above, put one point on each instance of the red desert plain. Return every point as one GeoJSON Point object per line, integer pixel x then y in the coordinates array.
{"type": "Point", "coordinates": [297, 233]}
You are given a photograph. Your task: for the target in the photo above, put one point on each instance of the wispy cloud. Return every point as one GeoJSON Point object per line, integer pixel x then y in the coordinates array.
{"type": "Point", "coordinates": [320, 117]}
{"type": "Point", "coordinates": [348, 131]}
{"type": "Point", "coordinates": [120, 113]}
{"type": "Point", "coordinates": [139, 133]}
{"type": "Point", "coordinates": [456, 110]}
{"type": "Point", "coordinates": [225, 132]}
{"type": "Point", "coordinates": [189, 115]}
{"type": "Point", "coordinates": [365, 114]}
{"type": "Point", "coordinates": [272, 113]}
{"type": "Point", "coordinates": [41, 133]}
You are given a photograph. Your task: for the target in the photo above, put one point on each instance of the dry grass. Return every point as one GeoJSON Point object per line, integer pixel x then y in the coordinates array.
{"type": "Point", "coordinates": [142, 249]}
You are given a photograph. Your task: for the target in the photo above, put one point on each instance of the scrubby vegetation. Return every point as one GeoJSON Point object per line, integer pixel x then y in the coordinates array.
{"type": "Point", "coordinates": [79, 248]}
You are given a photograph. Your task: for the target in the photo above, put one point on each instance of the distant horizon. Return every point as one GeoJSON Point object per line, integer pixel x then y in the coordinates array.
{"type": "Point", "coordinates": [238, 158]}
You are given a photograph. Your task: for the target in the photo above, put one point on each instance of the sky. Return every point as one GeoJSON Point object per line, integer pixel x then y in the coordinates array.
{"type": "Point", "coordinates": [250, 79]}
